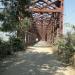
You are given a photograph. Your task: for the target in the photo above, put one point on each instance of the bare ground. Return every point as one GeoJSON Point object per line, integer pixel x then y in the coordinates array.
{"type": "Point", "coordinates": [34, 61]}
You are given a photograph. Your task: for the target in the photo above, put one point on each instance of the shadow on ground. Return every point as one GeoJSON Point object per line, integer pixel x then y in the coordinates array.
{"type": "Point", "coordinates": [31, 63]}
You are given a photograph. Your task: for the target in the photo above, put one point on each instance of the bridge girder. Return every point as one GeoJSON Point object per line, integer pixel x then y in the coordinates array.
{"type": "Point", "coordinates": [51, 28]}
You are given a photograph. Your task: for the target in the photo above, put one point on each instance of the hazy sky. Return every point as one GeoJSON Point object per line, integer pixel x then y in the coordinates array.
{"type": "Point", "coordinates": [69, 11]}
{"type": "Point", "coordinates": [69, 14]}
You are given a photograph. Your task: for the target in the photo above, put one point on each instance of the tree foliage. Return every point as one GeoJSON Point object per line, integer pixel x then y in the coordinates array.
{"type": "Point", "coordinates": [11, 13]}
{"type": "Point", "coordinates": [9, 16]}
{"type": "Point", "coordinates": [67, 48]}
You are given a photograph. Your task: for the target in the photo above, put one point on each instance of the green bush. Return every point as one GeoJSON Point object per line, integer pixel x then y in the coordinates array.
{"type": "Point", "coordinates": [16, 44]}
{"type": "Point", "coordinates": [5, 49]}
{"type": "Point", "coordinates": [66, 49]}
{"type": "Point", "coordinates": [11, 46]}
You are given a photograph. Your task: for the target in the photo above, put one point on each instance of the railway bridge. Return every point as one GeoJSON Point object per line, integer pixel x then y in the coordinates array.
{"type": "Point", "coordinates": [47, 19]}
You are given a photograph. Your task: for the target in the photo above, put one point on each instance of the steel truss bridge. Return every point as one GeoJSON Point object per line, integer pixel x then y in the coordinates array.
{"type": "Point", "coordinates": [47, 19]}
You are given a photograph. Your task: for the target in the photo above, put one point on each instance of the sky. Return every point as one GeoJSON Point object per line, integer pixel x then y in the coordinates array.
{"type": "Point", "coordinates": [69, 14]}
{"type": "Point", "coordinates": [69, 11]}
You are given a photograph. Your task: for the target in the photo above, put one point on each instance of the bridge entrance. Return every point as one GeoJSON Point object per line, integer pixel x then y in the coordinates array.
{"type": "Point", "coordinates": [47, 19]}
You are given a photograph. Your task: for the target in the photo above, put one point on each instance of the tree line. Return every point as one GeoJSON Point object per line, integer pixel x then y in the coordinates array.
{"type": "Point", "coordinates": [14, 17]}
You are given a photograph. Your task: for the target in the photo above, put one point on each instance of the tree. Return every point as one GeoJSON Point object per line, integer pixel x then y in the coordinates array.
{"type": "Point", "coordinates": [15, 16]}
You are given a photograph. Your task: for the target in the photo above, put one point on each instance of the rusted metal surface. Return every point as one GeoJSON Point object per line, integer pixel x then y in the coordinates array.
{"type": "Point", "coordinates": [45, 10]}
{"type": "Point", "coordinates": [48, 18]}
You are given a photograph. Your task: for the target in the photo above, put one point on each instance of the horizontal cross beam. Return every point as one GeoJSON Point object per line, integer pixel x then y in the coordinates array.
{"type": "Point", "coordinates": [45, 10]}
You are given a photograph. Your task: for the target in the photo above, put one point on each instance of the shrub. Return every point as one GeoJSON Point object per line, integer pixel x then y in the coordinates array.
{"type": "Point", "coordinates": [11, 46]}
{"type": "Point", "coordinates": [16, 44]}
{"type": "Point", "coordinates": [4, 49]}
{"type": "Point", "coordinates": [66, 49]}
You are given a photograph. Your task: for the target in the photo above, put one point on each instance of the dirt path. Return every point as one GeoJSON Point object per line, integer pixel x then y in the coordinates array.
{"type": "Point", "coordinates": [35, 61]}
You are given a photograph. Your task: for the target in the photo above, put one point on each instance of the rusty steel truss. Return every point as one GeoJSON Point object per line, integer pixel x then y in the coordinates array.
{"type": "Point", "coordinates": [48, 19]}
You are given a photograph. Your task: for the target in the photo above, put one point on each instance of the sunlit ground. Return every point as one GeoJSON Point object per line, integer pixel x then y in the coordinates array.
{"type": "Point", "coordinates": [35, 61]}
{"type": "Point", "coordinates": [48, 50]}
